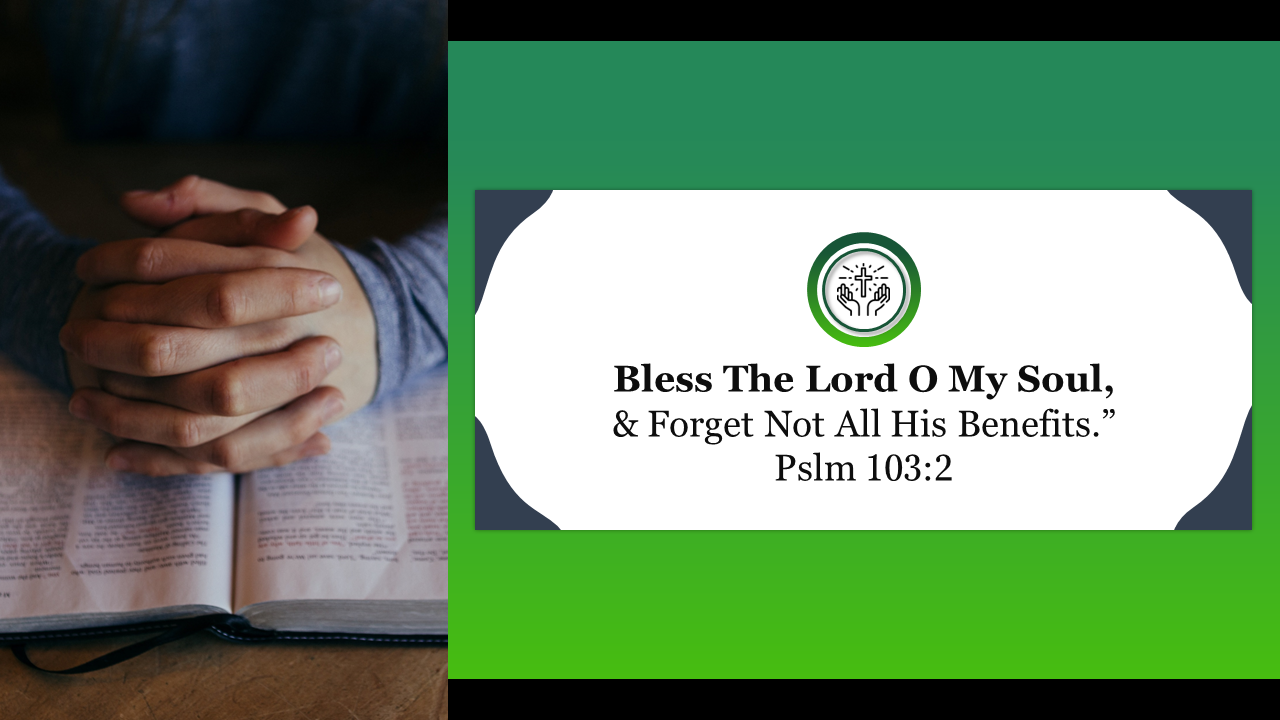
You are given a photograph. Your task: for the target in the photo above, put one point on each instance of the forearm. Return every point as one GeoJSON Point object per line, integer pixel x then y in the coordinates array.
{"type": "Point", "coordinates": [37, 286]}
{"type": "Point", "coordinates": [407, 284]}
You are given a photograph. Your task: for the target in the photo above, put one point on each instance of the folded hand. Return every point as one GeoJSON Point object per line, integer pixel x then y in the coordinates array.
{"type": "Point", "coordinates": [205, 348]}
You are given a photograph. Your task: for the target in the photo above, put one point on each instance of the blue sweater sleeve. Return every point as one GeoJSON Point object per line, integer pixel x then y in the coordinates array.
{"type": "Point", "coordinates": [407, 283]}
{"type": "Point", "coordinates": [37, 286]}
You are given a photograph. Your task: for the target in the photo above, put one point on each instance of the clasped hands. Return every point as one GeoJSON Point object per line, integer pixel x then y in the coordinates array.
{"type": "Point", "coordinates": [224, 344]}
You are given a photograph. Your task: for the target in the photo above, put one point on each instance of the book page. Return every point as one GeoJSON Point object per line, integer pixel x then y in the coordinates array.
{"type": "Point", "coordinates": [81, 544]}
{"type": "Point", "coordinates": [368, 521]}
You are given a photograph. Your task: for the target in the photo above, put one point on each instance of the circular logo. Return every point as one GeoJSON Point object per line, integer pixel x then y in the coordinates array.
{"type": "Point", "coordinates": [864, 289]}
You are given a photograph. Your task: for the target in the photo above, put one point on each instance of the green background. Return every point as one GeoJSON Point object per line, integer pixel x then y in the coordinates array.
{"type": "Point", "coordinates": [861, 116]}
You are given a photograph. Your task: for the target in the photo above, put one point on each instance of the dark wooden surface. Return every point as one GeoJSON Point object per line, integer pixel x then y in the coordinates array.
{"type": "Point", "coordinates": [208, 678]}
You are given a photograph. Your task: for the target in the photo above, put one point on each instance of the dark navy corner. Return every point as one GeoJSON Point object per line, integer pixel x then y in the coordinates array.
{"type": "Point", "coordinates": [498, 214]}
{"type": "Point", "coordinates": [1230, 214]}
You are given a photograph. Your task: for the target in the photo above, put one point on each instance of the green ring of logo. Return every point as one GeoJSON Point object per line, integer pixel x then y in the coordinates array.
{"type": "Point", "coordinates": [815, 301]}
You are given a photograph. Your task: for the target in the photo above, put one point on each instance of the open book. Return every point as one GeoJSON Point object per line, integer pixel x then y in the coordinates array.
{"type": "Point", "coordinates": [351, 544]}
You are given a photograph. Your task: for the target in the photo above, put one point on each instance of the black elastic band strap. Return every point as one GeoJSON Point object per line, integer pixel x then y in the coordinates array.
{"type": "Point", "coordinates": [184, 628]}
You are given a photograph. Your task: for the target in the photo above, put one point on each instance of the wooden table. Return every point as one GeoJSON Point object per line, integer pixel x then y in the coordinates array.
{"type": "Point", "coordinates": [208, 678]}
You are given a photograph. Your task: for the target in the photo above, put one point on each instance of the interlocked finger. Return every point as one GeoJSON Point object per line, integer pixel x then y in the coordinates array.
{"type": "Point", "coordinates": [157, 460]}
{"type": "Point", "coordinates": [238, 387]}
{"type": "Point", "coordinates": [159, 350]}
{"type": "Point", "coordinates": [221, 300]}
{"type": "Point", "coordinates": [244, 449]}
{"type": "Point", "coordinates": [151, 422]}
{"type": "Point", "coordinates": [158, 260]}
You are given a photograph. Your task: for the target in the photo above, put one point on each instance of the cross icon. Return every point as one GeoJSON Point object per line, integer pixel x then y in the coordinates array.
{"type": "Point", "coordinates": [863, 277]}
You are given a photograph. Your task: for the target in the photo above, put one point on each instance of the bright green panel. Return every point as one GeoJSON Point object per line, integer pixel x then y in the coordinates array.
{"type": "Point", "coordinates": [862, 116]}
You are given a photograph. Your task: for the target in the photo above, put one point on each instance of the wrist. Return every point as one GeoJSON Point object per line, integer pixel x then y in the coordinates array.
{"type": "Point", "coordinates": [352, 323]}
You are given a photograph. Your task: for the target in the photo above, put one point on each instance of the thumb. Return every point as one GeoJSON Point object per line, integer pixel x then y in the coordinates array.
{"type": "Point", "coordinates": [193, 195]}
{"type": "Point", "coordinates": [286, 231]}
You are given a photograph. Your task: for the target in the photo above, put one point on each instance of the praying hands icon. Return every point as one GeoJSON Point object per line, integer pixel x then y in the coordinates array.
{"type": "Point", "coordinates": [862, 280]}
